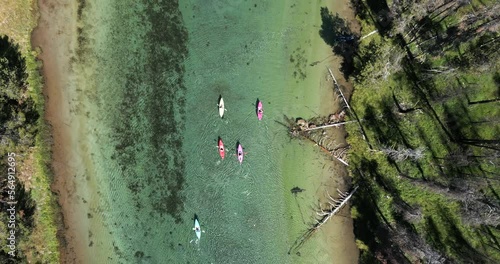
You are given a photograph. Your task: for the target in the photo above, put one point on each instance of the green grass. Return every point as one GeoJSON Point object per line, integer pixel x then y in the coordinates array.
{"type": "Point", "coordinates": [444, 118]}
{"type": "Point", "coordinates": [46, 226]}
{"type": "Point", "coordinates": [42, 246]}
{"type": "Point", "coordinates": [19, 18]}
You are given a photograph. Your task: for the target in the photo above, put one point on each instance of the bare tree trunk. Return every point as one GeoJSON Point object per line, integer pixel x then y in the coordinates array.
{"type": "Point", "coordinates": [329, 125]}
{"type": "Point", "coordinates": [333, 207]}
{"type": "Point", "coordinates": [338, 89]}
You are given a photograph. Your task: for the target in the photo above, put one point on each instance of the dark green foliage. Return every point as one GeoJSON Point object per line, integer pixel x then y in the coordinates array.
{"type": "Point", "coordinates": [12, 69]}
{"type": "Point", "coordinates": [380, 14]}
{"type": "Point", "coordinates": [17, 112]}
{"type": "Point", "coordinates": [18, 126]}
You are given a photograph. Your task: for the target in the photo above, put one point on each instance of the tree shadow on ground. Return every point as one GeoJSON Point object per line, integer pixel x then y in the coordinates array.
{"type": "Point", "coordinates": [434, 237]}
{"type": "Point", "coordinates": [424, 89]}
{"type": "Point", "coordinates": [370, 122]}
{"type": "Point", "coordinates": [381, 14]}
{"type": "Point", "coordinates": [336, 33]}
{"type": "Point", "coordinates": [393, 122]}
{"type": "Point", "coordinates": [377, 11]}
{"type": "Point", "coordinates": [460, 246]}
{"type": "Point", "coordinates": [370, 230]}
{"type": "Point", "coordinates": [385, 123]}
{"type": "Point", "coordinates": [481, 52]}
{"type": "Point", "coordinates": [367, 224]}
{"type": "Point", "coordinates": [457, 118]}
{"type": "Point", "coordinates": [360, 9]}
{"type": "Point", "coordinates": [491, 240]}
{"type": "Point", "coordinates": [496, 80]}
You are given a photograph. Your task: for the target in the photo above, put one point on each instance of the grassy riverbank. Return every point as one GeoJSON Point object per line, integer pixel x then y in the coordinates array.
{"type": "Point", "coordinates": [28, 136]}
{"type": "Point", "coordinates": [427, 152]}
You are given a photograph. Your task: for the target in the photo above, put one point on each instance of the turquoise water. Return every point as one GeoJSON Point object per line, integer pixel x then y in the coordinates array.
{"type": "Point", "coordinates": [148, 77]}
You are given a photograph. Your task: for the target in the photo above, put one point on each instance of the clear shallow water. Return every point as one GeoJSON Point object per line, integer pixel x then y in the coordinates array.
{"type": "Point", "coordinates": [148, 76]}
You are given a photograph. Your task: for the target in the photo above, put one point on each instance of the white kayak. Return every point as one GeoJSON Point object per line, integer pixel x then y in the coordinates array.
{"type": "Point", "coordinates": [221, 107]}
{"type": "Point", "coordinates": [197, 228]}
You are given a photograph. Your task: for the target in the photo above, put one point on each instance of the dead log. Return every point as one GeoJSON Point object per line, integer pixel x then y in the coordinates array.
{"type": "Point", "coordinates": [338, 88]}
{"type": "Point", "coordinates": [329, 125]}
{"type": "Point", "coordinates": [333, 207]}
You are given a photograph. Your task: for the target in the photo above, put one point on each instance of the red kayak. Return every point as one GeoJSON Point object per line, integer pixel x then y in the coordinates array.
{"type": "Point", "coordinates": [240, 153]}
{"type": "Point", "coordinates": [260, 110]}
{"type": "Point", "coordinates": [221, 148]}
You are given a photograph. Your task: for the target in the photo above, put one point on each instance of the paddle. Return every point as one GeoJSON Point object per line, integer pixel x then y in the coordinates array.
{"type": "Point", "coordinates": [196, 241]}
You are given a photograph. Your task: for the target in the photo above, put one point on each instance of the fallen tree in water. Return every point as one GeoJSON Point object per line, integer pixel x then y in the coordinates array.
{"type": "Point", "coordinates": [302, 128]}
{"type": "Point", "coordinates": [315, 129]}
{"type": "Point", "coordinates": [333, 207]}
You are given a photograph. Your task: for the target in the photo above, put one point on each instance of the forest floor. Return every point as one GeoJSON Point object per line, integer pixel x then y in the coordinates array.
{"type": "Point", "coordinates": [426, 154]}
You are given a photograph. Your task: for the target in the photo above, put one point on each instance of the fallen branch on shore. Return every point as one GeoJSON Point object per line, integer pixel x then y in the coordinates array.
{"type": "Point", "coordinates": [369, 34]}
{"type": "Point", "coordinates": [333, 207]}
{"type": "Point", "coordinates": [338, 88]}
{"type": "Point", "coordinates": [334, 152]}
{"type": "Point", "coordinates": [301, 128]}
{"type": "Point", "coordinates": [329, 125]}
{"type": "Point", "coordinates": [336, 85]}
